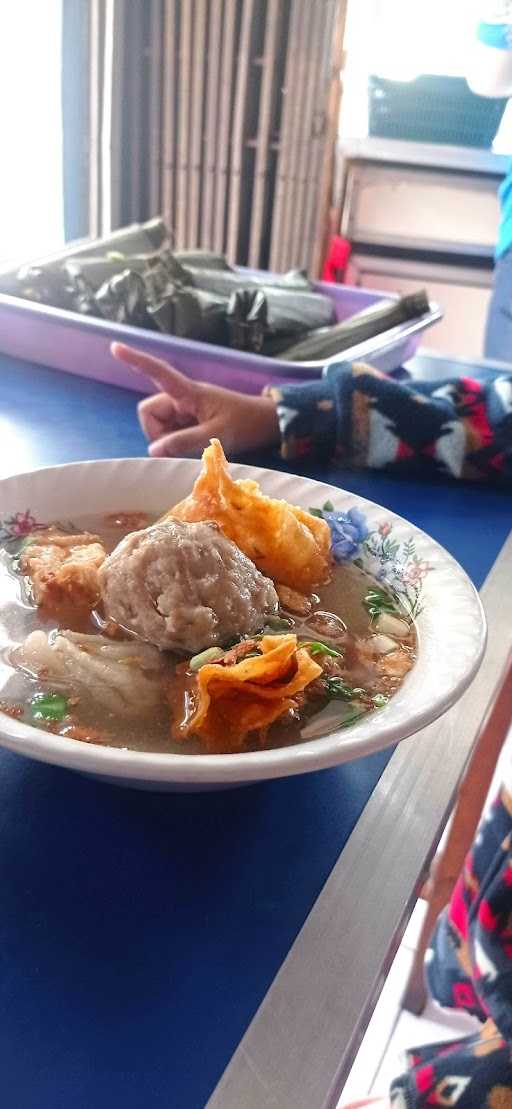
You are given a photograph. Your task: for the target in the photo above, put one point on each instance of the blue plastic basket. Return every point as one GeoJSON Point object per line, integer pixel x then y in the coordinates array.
{"type": "Point", "coordinates": [433, 109]}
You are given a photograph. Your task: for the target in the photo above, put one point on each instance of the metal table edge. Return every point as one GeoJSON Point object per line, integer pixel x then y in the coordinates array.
{"type": "Point", "coordinates": [301, 1043]}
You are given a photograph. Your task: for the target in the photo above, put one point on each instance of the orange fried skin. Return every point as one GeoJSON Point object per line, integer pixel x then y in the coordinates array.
{"type": "Point", "coordinates": [63, 569]}
{"type": "Point", "coordinates": [233, 701]}
{"type": "Point", "coordinates": [286, 543]}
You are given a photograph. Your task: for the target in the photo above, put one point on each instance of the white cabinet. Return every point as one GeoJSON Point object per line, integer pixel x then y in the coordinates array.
{"type": "Point", "coordinates": [418, 215]}
{"type": "Point", "coordinates": [462, 293]}
{"type": "Point", "coordinates": [420, 208]}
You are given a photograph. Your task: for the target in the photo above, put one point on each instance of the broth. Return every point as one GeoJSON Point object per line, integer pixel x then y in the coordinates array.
{"type": "Point", "coordinates": [338, 618]}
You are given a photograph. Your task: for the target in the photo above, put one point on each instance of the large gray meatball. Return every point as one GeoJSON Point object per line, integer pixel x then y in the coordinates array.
{"type": "Point", "coordinates": [184, 587]}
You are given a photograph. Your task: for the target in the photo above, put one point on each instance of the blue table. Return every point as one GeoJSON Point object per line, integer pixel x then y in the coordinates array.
{"type": "Point", "coordinates": [138, 932]}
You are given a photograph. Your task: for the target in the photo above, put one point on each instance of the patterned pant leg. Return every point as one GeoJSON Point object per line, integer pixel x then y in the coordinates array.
{"type": "Point", "coordinates": [469, 966]}
{"type": "Point", "coordinates": [472, 1073]}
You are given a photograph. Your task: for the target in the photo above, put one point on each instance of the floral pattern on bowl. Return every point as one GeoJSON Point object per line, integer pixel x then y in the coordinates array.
{"type": "Point", "coordinates": [392, 562]}
{"type": "Point", "coordinates": [16, 529]}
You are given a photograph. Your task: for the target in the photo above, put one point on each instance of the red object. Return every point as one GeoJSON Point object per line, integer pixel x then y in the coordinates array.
{"type": "Point", "coordinates": [425, 1078]}
{"type": "Point", "coordinates": [472, 397]}
{"type": "Point", "coordinates": [486, 916]}
{"type": "Point", "coordinates": [336, 261]}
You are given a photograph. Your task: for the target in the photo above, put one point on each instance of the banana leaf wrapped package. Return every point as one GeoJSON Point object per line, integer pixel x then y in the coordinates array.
{"type": "Point", "coordinates": [329, 341]}
{"type": "Point", "coordinates": [191, 314]}
{"type": "Point", "coordinates": [225, 282]}
{"type": "Point", "coordinates": [44, 285]}
{"type": "Point", "coordinates": [124, 300]}
{"type": "Point", "coordinates": [134, 276]}
{"type": "Point", "coordinates": [202, 260]}
{"type": "Point", "coordinates": [266, 318]}
{"type": "Point", "coordinates": [247, 319]}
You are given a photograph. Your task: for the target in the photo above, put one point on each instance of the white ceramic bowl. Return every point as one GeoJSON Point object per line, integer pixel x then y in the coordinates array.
{"type": "Point", "coordinates": [447, 609]}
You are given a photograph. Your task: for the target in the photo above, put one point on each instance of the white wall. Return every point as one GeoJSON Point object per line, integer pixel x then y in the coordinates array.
{"type": "Point", "coordinates": [31, 204]}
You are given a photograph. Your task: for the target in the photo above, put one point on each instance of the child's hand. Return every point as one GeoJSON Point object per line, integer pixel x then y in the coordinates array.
{"type": "Point", "coordinates": [184, 417]}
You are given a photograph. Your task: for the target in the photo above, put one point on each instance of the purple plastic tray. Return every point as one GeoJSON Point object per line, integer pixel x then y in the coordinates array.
{"type": "Point", "coordinates": [80, 345]}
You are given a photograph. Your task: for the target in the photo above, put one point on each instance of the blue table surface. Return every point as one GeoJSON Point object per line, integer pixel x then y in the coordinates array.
{"type": "Point", "coordinates": [139, 932]}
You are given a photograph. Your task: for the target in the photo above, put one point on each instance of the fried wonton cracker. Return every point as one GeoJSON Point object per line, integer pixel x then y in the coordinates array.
{"type": "Point", "coordinates": [286, 543]}
{"type": "Point", "coordinates": [233, 701]}
{"type": "Point", "coordinates": [63, 569]}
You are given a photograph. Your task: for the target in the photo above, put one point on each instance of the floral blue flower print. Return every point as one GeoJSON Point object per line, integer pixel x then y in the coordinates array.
{"type": "Point", "coordinates": [348, 531]}
{"type": "Point", "coordinates": [390, 559]}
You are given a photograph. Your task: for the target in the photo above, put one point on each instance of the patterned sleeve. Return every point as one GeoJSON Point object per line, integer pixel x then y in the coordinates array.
{"type": "Point", "coordinates": [460, 427]}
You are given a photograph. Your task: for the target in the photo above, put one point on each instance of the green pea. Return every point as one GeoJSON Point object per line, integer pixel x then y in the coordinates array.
{"type": "Point", "coordinates": [48, 706]}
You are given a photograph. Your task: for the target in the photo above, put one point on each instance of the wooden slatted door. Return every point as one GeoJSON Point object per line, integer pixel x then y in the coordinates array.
{"type": "Point", "coordinates": [221, 115]}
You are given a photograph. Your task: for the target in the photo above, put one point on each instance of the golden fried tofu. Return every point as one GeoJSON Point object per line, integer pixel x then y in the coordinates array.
{"type": "Point", "coordinates": [234, 700]}
{"type": "Point", "coordinates": [63, 569]}
{"type": "Point", "coordinates": [286, 543]}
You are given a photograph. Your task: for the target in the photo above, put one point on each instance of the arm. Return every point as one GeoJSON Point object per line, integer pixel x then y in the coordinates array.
{"type": "Point", "coordinates": [184, 415]}
{"type": "Point", "coordinates": [460, 428]}
{"type": "Point", "coordinates": [490, 68]}
{"type": "Point", "coordinates": [355, 414]}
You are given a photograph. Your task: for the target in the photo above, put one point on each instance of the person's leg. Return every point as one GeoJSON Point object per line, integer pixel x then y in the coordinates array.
{"type": "Point", "coordinates": [498, 332]}
{"type": "Point", "coordinates": [470, 1073]}
{"type": "Point", "coordinates": [469, 966]}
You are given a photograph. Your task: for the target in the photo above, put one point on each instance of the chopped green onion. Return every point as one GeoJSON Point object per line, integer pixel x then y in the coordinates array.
{"type": "Point", "coordinates": [49, 706]}
{"type": "Point", "coordinates": [338, 690]}
{"type": "Point", "coordinates": [328, 506]}
{"type": "Point", "coordinates": [377, 601]}
{"type": "Point", "coordinates": [211, 654]}
{"type": "Point", "coordinates": [379, 700]}
{"type": "Point", "coordinates": [317, 648]}
{"type": "Point", "coordinates": [316, 512]}
{"type": "Point", "coordinates": [278, 624]}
